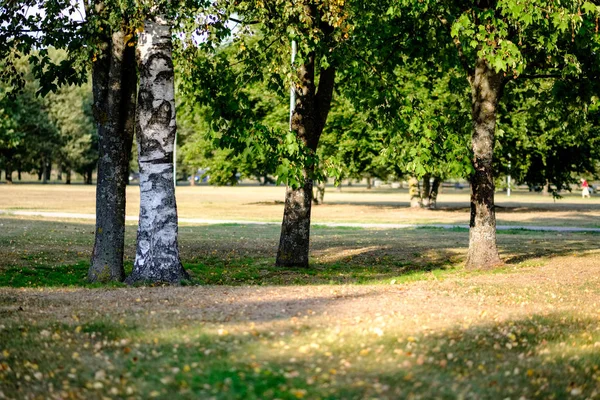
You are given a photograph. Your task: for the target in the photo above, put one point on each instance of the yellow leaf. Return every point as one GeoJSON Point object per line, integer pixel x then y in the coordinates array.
{"type": "Point", "coordinates": [127, 38]}
{"type": "Point", "coordinates": [299, 393]}
{"type": "Point", "coordinates": [186, 368]}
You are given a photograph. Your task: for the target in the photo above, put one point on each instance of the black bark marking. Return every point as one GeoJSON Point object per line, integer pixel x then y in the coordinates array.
{"type": "Point", "coordinates": [157, 253]}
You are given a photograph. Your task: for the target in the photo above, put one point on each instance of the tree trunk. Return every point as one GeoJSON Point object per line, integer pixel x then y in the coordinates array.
{"type": "Point", "coordinates": [426, 191]}
{"type": "Point", "coordinates": [319, 197]}
{"type": "Point", "coordinates": [546, 189]}
{"type": "Point", "coordinates": [414, 192]}
{"type": "Point", "coordinates": [45, 172]}
{"type": "Point", "coordinates": [68, 177]}
{"type": "Point", "coordinates": [40, 172]}
{"type": "Point", "coordinates": [88, 177]}
{"type": "Point", "coordinates": [308, 121]}
{"type": "Point", "coordinates": [59, 174]}
{"type": "Point", "coordinates": [486, 89]}
{"type": "Point", "coordinates": [157, 254]}
{"type": "Point", "coordinates": [114, 80]}
{"type": "Point", "coordinates": [49, 171]}
{"type": "Point", "coordinates": [295, 229]}
{"type": "Point", "coordinates": [8, 171]}
{"type": "Point", "coordinates": [369, 185]}
{"type": "Point", "coordinates": [19, 174]}
{"type": "Point", "coordinates": [433, 194]}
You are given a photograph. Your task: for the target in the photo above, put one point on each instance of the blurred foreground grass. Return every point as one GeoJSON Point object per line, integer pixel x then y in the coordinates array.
{"type": "Point", "coordinates": [387, 314]}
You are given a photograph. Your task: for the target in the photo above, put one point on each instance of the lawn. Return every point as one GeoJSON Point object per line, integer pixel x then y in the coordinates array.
{"type": "Point", "coordinates": [351, 204]}
{"type": "Point", "coordinates": [381, 313]}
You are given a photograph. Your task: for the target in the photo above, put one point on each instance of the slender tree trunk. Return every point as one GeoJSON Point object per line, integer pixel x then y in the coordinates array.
{"type": "Point", "coordinates": [426, 191]}
{"type": "Point", "coordinates": [59, 174]}
{"type": "Point", "coordinates": [308, 121]}
{"type": "Point", "coordinates": [68, 177]}
{"type": "Point", "coordinates": [19, 174]}
{"type": "Point", "coordinates": [45, 172]}
{"type": "Point", "coordinates": [486, 88]}
{"type": "Point", "coordinates": [157, 254]}
{"type": "Point", "coordinates": [88, 177]}
{"type": "Point", "coordinates": [414, 192]}
{"type": "Point", "coordinates": [319, 196]}
{"type": "Point", "coordinates": [546, 189]}
{"type": "Point", "coordinates": [49, 170]}
{"type": "Point", "coordinates": [433, 194]}
{"type": "Point", "coordinates": [369, 185]}
{"type": "Point", "coordinates": [40, 172]}
{"type": "Point", "coordinates": [114, 81]}
{"type": "Point", "coordinates": [8, 171]}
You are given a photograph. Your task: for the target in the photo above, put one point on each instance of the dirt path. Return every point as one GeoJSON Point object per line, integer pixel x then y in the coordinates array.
{"type": "Point", "coordinates": [563, 284]}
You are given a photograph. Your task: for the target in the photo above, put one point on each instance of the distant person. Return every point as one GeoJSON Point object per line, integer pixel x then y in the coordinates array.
{"type": "Point", "coordinates": [585, 191]}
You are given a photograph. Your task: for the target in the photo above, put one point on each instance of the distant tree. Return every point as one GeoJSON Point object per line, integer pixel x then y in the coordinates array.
{"type": "Point", "coordinates": [28, 138]}
{"type": "Point", "coordinates": [70, 109]}
{"type": "Point", "coordinates": [549, 134]}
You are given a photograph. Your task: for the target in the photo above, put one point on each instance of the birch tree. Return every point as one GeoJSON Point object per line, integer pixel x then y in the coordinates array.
{"type": "Point", "coordinates": [157, 252]}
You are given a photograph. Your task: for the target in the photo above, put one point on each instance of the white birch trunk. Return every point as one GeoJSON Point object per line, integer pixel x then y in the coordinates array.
{"type": "Point", "coordinates": [157, 254]}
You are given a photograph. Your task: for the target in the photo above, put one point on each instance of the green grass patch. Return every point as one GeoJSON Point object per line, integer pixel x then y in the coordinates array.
{"type": "Point", "coordinates": [36, 253]}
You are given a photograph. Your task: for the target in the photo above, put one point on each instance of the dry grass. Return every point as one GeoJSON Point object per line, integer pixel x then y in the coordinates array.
{"type": "Point", "coordinates": [350, 205]}
{"type": "Point", "coordinates": [528, 333]}
{"type": "Point", "coordinates": [382, 313]}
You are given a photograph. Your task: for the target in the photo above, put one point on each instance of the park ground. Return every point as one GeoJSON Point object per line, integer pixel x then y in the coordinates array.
{"type": "Point", "coordinates": [381, 313]}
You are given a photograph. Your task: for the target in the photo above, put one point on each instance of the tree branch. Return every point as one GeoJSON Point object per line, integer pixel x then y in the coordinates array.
{"type": "Point", "coordinates": [239, 21]}
{"type": "Point", "coordinates": [324, 94]}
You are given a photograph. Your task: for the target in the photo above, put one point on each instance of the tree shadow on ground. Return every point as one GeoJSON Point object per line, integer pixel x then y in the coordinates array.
{"type": "Point", "coordinates": [46, 253]}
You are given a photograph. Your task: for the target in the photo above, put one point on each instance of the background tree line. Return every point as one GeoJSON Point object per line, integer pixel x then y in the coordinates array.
{"type": "Point", "coordinates": [41, 133]}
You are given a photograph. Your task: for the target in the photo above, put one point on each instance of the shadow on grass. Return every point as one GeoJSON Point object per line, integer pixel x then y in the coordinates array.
{"type": "Point", "coordinates": [541, 356]}
{"type": "Point", "coordinates": [44, 253]}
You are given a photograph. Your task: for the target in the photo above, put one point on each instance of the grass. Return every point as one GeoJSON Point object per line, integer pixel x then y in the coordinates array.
{"type": "Point", "coordinates": [39, 253]}
{"type": "Point", "coordinates": [352, 204]}
{"type": "Point", "coordinates": [380, 314]}
{"type": "Point", "coordinates": [151, 352]}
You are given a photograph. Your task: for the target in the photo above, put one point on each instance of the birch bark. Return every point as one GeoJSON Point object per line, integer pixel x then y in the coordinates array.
{"type": "Point", "coordinates": [157, 253]}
